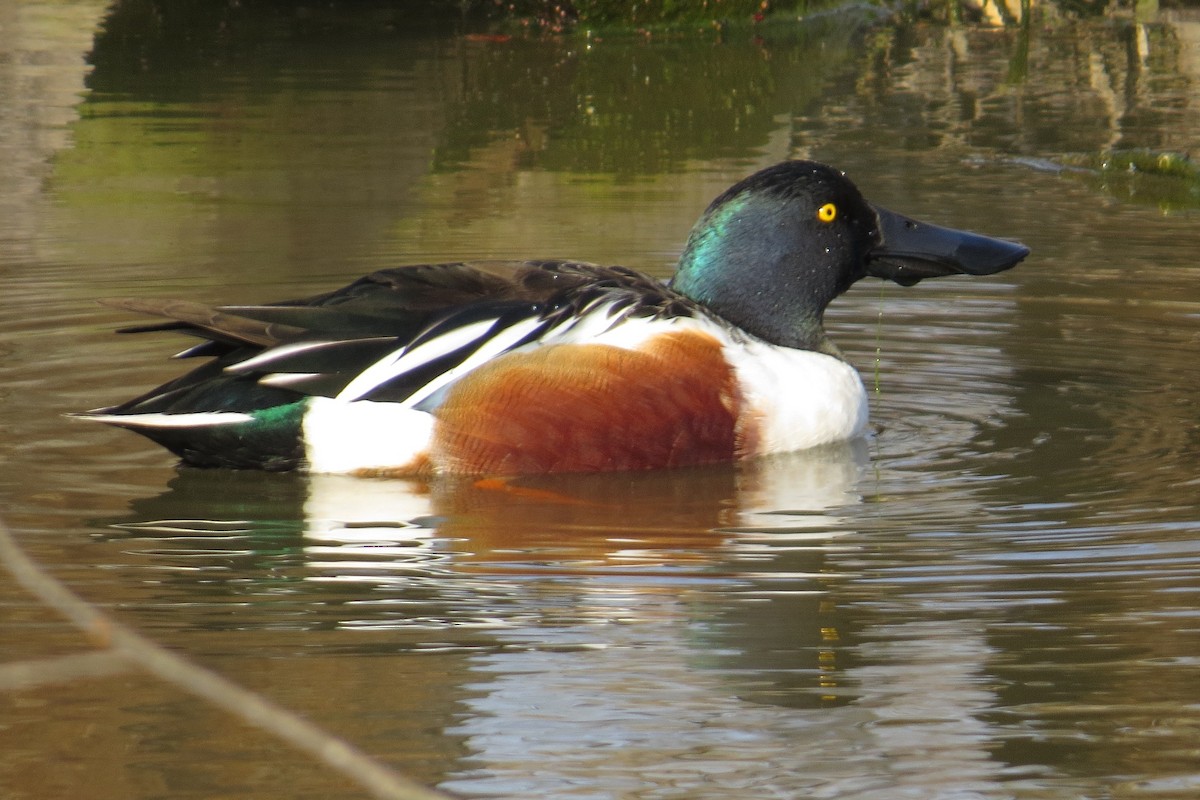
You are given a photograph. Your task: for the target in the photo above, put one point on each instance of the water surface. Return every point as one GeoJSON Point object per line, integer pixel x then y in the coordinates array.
{"type": "Point", "coordinates": [992, 596]}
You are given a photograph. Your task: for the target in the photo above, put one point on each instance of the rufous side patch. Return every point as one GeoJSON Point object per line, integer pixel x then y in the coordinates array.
{"type": "Point", "coordinates": [586, 407]}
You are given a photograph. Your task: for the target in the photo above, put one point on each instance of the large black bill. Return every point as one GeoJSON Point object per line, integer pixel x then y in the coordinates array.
{"type": "Point", "coordinates": [912, 251]}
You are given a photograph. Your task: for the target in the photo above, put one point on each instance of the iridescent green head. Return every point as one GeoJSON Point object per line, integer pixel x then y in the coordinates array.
{"type": "Point", "coordinates": [771, 252]}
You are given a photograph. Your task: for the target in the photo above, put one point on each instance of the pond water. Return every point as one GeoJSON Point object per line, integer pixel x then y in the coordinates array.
{"type": "Point", "coordinates": [995, 595]}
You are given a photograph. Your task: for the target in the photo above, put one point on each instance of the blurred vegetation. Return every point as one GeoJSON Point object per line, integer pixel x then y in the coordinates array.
{"type": "Point", "coordinates": [633, 109]}
{"type": "Point", "coordinates": [1170, 181]}
{"type": "Point", "coordinates": [611, 101]}
{"type": "Point", "coordinates": [624, 105]}
{"type": "Point", "coordinates": [632, 13]}
{"type": "Point", "coordinates": [554, 15]}
{"type": "Point", "coordinates": [173, 18]}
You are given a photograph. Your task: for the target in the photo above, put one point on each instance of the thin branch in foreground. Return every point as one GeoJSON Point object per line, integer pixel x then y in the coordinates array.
{"type": "Point", "coordinates": [118, 641]}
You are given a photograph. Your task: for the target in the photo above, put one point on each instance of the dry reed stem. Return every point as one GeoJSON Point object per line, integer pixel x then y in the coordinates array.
{"type": "Point", "coordinates": [119, 643]}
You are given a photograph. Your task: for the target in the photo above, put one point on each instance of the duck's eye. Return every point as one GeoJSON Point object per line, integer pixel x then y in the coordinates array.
{"type": "Point", "coordinates": [827, 212]}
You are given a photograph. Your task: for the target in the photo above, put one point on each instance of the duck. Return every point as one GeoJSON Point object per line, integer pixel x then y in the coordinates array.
{"type": "Point", "coordinates": [545, 366]}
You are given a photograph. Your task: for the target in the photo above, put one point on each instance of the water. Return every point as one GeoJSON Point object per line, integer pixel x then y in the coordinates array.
{"type": "Point", "coordinates": [994, 596]}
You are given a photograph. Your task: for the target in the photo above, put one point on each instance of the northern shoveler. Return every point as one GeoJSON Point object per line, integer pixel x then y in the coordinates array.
{"type": "Point", "coordinates": [554, 366]}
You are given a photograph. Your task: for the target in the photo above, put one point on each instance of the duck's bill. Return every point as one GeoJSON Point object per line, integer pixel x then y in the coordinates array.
{"type": "Point", "coordinates": [912, 251]}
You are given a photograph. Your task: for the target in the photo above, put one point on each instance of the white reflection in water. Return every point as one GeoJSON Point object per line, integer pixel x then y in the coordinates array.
{"type": "Point", "coordinates": [552, 723]}
{"type": "Point", "coordinates": [352, 525]}
{"type": "Point", "coordinates": [599, 680]}
{"type": "Point", "coordinates": [926, 685]}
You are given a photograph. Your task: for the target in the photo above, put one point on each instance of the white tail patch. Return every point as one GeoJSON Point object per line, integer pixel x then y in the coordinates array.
{"type": "Point", "coordinates": [347, 436]}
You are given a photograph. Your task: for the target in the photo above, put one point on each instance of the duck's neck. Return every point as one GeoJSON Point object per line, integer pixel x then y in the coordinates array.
{"type": "Point", "coordinates": [743, 263]}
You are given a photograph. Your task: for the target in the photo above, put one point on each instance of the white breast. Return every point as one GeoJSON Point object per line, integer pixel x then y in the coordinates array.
{"type": "Point", "coordinates": [801, 399]}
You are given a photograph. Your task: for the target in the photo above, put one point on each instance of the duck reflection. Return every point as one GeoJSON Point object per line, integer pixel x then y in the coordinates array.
{"type": "Point", "coordinates": [729, 562]}
{"type": "Point", "coordinates": [536, 632]}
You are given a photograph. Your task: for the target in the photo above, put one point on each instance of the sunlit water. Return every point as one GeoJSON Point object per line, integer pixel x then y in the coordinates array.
{"type": "Point", "coordinates": [994, 595]}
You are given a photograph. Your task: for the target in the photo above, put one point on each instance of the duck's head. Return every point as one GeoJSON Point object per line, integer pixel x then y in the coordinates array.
{"type": "Point", "coordinates": [771, 252]}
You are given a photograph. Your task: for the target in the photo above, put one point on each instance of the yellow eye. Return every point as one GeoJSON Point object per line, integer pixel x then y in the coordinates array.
{"type": "Point", "coordinates": [827, 212]}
